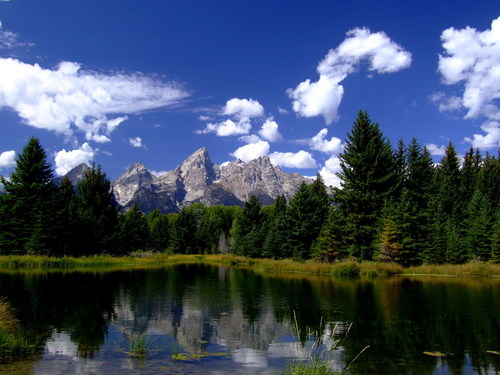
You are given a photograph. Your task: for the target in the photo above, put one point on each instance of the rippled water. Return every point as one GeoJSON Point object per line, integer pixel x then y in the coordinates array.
{"type": "Point", "coordinates": [214, 320]}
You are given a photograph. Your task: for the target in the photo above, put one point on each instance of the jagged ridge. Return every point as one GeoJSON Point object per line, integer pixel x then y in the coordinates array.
{"type": "Point", "coordinates": [198, 180]}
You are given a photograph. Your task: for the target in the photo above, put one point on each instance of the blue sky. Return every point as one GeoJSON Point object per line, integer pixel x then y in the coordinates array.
{"type": "Point", "coordinates": [120, 81]}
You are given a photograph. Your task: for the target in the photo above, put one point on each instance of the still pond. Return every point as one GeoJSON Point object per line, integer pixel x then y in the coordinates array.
{"type": "Point", "coordinates": [201, 319]}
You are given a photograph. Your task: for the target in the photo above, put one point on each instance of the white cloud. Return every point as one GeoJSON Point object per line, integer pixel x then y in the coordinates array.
{"type": "Point", "coordinates": [446, 103]}
{"type": "Point", "coordinates": [283, 111]}
{"type": "Point", "coordinates": [472, 57]}
{"type": "Point", "coordinates": [320, 98]}
{"type": "Point", "coordinates": [319, 143]}
{"type": "Point", "coordinates": [330, 170]}
{"type": "Point", "coordinates": [323, 97]}
{"type": "Point", "coordinates": [269, 131]}
{"type": "Point", "coordinates": [436, 150]}
{"type": "Point", "coordinates": [136, 142]}
{"type": "Point", "coordinates": [228, 128]}
{"type": "Point", "coordinates": [8, 159]}
{"type": "Point", "coordinates": [252, 151]}
{"type": "Point", "coordinates": [490, 140]}
{"type": "Point", "coordinates": [301, 159]}
{"type": "Point", "coordinates": [67, 160]}
{"type": "Point", "coordinates": [243, 108]}
{"type": "Point", "coordinates": [66, 98]}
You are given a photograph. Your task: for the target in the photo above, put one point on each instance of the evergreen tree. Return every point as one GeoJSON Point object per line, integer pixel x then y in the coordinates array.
{"type": "Point", "coordinates": [412, 208]}
{"type": "Point", "coordinates": [367, 181]}
{"type": "Point", "coordinates": [159, 231]}
{"type": "Point", "coordinates": [445, 208]}
{"type": "Point", "coordinates": [183, 233]}
{"type": "Point", "coordinates": [330, 245]}
{"type": "Point", "coordinates": [306, 214]}
{"type": "Point", "coordinates": [390, 246]}
{"type": "Point", "coordinates": [469, 175]}
{"type": "Point", "coordinates": [277, 235]}
{"type": "Point", "coordinates": [96, 214]}
{"type": "Point", "coordinates": [133, 230]}
{"type": "Point", "coordinates": [26, 208]}
{"type": "Point", "coordinates": [251, 232]}
{"type": "Point", "coordinates": [65, 217]}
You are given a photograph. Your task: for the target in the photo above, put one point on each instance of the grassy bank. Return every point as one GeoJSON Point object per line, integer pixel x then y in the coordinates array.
{"type": "Point", "coordinates": [343, 269]}
{"type": "Point", "coordinates": [14, 341]}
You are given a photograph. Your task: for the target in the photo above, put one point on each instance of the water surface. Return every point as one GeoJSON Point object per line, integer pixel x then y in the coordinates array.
{"type": "Point", "coordinates": [214, 320]}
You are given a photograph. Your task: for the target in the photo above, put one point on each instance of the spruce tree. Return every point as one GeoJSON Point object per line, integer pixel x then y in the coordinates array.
{"type": "Point", "coordinates": [275, 244]}
{"type": "Point", "coordinates": [251, 232]}
{"type": "Point", "coordinates": [26, 208]}
{"type": "Point", "coordinates": [445, 208]}
{"type": "Point", "coordinates": [159, 231]}
{"type": "Point", "coordinates": [389, 243]}
{"type": "Point", "coordinates": [368, 178]}
{"type": "Point", "coordinates": [330, 245]}
{"type": "Point", "coordinates": [65, 217]}
{"type": "Point", "coordinates": [183, 233]}
{"type": "Point", "coordinates": [133, 230]}
{"type": "Point", "coordinates": [412, 207]}
{"type": "Point", "coordinates": [306, 214]}
{"type": "Point", "coordinates": [96, 214]}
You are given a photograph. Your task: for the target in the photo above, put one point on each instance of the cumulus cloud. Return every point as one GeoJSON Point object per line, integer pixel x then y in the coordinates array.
{"type": "Point", "coordinates": [252, 151]}
{"type": "Point", "coordinates": [228, 128]}
{"type": "Point", "coordinates": [241, 112]}
{"type": "Point", "coordinates": [490, 140]}
{"type": "Point", "coordinates": [8, 159]}
{"type": "Point", "coordinates": [320, 143]}
{"type": "Point", "coordinates": [472, 57]}
{"type": "Point", "coordinates": [67, 98]}
{"type": "Point", "coordinates": [330, 170]}
{"type": "Point", "coordinates": [136, 142]}
{"type": "Point", "coordinates": [269, 131]}
{"type": "Point", "coordinates": [300, 159]}
{"type": "Point", "coordinates": [243, 108]}
{"type": "Point", "coordinates": [67, 160]}
{"type": "Point", "coordinates": [436, 150]}
{"type": "Point", "coordinates": [323, 97]}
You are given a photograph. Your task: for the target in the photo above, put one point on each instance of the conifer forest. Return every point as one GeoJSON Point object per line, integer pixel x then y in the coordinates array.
{"type": "Point", "coordinates": [394, 205]}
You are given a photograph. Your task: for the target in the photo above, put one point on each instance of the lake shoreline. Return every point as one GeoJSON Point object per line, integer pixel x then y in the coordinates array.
{"type": "Point", "coordinates": [286, 266]}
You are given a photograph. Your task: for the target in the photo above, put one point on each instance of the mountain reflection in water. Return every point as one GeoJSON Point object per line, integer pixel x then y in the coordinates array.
{"type": "Point", "coordinates": [200, 319]}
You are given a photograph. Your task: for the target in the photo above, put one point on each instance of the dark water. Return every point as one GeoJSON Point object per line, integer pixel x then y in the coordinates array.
{"type": "Point", "coordinates": [223, 320]}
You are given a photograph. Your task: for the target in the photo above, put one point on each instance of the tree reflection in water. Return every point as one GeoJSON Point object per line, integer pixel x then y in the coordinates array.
{"type": "Point", "coordinates": [237, 320]}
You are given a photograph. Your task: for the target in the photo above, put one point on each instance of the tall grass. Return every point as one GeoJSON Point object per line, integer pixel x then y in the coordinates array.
{"type": "Point", "coordinates": [14, 340]}
{"type": "Point", "coordinates": [347, 268]}
{"type": "Point", "coordinates": [475, 269]}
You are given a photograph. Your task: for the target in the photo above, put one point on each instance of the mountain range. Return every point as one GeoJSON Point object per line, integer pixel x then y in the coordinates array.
{"type": "Point", "coordinates": [198, 180]}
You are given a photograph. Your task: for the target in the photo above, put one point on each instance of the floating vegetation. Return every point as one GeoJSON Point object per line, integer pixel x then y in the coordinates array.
{"type": "Point", "coordinates": [435, 354]}
{"type": "Point", "coordinates": [493, 352]}
{"type": "Point", "coordinates": [180, 356]}
{"type": "Point", "coordinates": [191, 357]}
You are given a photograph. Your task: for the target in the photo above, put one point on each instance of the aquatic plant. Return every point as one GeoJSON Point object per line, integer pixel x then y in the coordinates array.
{"type": "Point", "coordinates": [319, 356]}
{"type": "Point", "coordinates": [138, 345]}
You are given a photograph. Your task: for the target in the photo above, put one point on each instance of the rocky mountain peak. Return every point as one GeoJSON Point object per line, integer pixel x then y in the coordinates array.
{"type": "Point", "coordinates": [197, 179]}
{"type": "Point", "coordinates": [75, 175]}
{"type": "Point", "coordinates": [197, 172]}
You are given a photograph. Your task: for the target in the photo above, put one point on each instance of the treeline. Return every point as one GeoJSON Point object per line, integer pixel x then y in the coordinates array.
{"type": "Point", "coordinates": [394, 205]}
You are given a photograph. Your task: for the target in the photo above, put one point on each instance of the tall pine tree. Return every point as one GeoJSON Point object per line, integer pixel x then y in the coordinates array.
{"type": "Point", "coordinates": [26, 224]}
{"type": "Point", "coordinates": [368, 178]}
